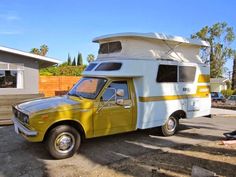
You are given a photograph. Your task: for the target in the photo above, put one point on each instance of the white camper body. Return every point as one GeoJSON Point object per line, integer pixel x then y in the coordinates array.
{"type": "Point", "coordinates": [168, 74]}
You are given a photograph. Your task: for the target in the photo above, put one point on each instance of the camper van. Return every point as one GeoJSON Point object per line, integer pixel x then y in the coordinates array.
{"type": "Point", "coordinates": [138, 81]}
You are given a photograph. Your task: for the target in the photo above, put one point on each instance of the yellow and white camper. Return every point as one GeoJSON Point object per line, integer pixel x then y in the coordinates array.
{"type": "Point", "coordinates": [138, 81]}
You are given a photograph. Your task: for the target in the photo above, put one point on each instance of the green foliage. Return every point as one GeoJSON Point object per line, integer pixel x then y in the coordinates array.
{"type": "Point", "coordinates": [234, 92]}
{"type": "Point", "coordinates": [69, 60]}
{"type": "Point", "coordinates": [220, 36]}
{"type": "Point", "coordinates": [62, 70]}
{"type": "Point", "coordinates": [90, 58]}
{"type": "Point", "coordinates": [79, 60]}
{"type": "Point", "coordinates": [74, 62]}
{"type": "Point", "coordinates": [42, 51]}
{"type": "Point", "coordinates": [228, 92]}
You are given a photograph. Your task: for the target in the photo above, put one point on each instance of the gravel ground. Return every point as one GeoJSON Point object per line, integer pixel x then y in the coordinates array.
{"type": "Point", "coordinates": [139, 153]}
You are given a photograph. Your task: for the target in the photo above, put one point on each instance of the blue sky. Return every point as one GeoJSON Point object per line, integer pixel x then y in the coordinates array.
{"type": "Point", "coordinates": [68, 26]}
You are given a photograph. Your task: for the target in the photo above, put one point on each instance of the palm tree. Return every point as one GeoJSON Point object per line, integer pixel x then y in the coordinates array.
{"type": "Point", "coordinates": [234, 72]}
{"type": "Point", "coordinates": [90, 58]}
{"type": "Point", "coordinates": [35, 51]}
{"type": "Point", "coordinates": [43, 50]}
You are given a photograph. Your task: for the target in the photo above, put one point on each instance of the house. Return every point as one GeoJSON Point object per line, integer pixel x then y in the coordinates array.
{"type": "Point", "coordinates": [219, 84]}
{"type": "Point", "coordinates": [19, 77]}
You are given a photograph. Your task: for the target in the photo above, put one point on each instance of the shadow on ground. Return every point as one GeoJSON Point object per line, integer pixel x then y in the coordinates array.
{"type": "Point", "coordinates": [140, 153]}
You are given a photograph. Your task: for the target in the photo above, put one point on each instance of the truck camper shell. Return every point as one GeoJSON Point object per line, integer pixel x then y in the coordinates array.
{"type": "Point", "coordinates": [140, 56]}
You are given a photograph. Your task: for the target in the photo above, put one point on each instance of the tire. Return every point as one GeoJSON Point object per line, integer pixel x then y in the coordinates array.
{"type": "Point", "coordinates": [69, 138]}
{"type": "Point", "coordinates": [170, 127]}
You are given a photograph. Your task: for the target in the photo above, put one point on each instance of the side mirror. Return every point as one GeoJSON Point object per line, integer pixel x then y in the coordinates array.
{"type": "Point", "coordinates": [120, 92]}
{"type": "Point", "coordinates": [120, 101]}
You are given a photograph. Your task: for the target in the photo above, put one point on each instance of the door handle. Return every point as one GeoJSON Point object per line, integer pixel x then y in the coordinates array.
{"type": "Point", "coordinates": [127, 107]}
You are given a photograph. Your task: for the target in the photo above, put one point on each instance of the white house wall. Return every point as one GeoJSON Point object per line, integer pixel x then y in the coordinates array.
{"type": "Point", "coordinates": [30, 74]}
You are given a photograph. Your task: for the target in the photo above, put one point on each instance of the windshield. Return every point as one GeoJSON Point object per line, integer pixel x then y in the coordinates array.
{"type": "Point", "coordinates": [88, 87]}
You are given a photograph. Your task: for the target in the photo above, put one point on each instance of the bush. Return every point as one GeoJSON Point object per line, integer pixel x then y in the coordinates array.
{"type": "Point", "coordinates": [62, 70]}
{"type": "Point", "coordinates": [234, 92]}
{"type": "Point", "coordinates": [228, 92]}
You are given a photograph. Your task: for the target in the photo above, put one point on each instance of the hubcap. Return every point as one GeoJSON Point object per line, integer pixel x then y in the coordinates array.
{"type": "Point", "coordinates": [171, 124]}
{"type": "Point", "coordinates": [64, 142]}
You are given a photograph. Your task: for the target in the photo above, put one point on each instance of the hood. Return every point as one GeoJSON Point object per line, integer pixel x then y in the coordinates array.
{"type": "Point", "coordinates": [47, 103]}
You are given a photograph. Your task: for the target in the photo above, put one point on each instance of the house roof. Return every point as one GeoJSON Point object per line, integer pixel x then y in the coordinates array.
{"type": "Point", "coordinates": [156, 36]}
{"type": "Point", "coordinates": [218, 80]}
{"type": "Point", "coordinates": [43, 61]}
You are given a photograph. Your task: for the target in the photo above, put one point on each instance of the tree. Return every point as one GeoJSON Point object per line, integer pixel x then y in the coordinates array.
{"type": "Point", "coordinates": [35, 51]}
{"type": "Point", "coordinates": [42, 51]}
{"type": "Point", "coordinates": [69, 60]}
{"type": "Point", "coordinates": [79, 60]}
{"type": "Point", "coordinates": [220, 36]}
{"type": "Point", "coordinates": [90, 58]}
{"type": "Point", "coordinates": [74, 62]}
{"type": "Point", "coordinates": [234, 72]}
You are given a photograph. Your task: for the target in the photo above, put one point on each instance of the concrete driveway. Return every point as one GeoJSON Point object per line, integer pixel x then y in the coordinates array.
{"type": "Point", "coordinates": [104, 156]}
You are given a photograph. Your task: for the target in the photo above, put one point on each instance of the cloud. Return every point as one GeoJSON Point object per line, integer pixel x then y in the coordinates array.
{"type": "Point", "coordinates": [9, 17]}
{"type": "Point", "coordinates": [10, 32]}
{"type": "Point", "coordinates": [10, 23]}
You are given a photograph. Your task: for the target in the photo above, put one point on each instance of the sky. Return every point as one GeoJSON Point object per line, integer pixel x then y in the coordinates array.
{"type": "Point", "coordinates": [68, 26]}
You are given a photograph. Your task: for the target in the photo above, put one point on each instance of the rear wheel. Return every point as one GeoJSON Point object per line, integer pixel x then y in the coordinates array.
{"type": "Point", "coordinates": [170, 127]}
{"type": "Point", "coordinates": [63, 141]}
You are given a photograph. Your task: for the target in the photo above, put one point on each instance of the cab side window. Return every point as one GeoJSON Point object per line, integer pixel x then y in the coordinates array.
{"type": "Point", "coordinates": [115, 85]}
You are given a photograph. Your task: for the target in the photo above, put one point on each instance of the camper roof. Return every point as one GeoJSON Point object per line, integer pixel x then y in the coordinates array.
{"type": "Point", "coordinates": [155, 36]}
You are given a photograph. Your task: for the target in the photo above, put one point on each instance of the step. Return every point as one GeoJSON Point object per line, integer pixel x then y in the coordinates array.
{"type": "Point", "coordinates": [6, 114]}
{"type": "Point", "coordinates": [6, 100]}
{"type": "Point", "coordinates": [6, 122]}
{"type": "Point", "coordinates": [6, 108]}
{"type": "Point", "coordinates": [21, 96]}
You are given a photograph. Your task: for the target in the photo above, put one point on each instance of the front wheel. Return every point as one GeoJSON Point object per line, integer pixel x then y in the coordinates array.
{"type": "Point", "coordinates": [170, 127]}
{"type": "Point", "coordinates": [63, 141]}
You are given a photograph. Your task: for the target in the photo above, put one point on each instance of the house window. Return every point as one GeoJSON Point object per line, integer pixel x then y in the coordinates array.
{"type": "Point", "coordinates": [11, 75]}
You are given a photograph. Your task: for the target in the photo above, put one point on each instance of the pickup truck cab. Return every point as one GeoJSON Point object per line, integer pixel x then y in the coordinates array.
{"type": "Point", "coordinates": [137, 82]}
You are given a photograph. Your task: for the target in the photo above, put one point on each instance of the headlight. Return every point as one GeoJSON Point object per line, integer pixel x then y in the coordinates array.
{"type": "Point", "coordinates": [26, 119]}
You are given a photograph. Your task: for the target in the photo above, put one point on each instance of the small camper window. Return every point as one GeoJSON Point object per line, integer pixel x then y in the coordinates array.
{"type": "Point", "coordinates": [167, 73]}
{"type": "Point", "coordinates": [110, 47]}
{"type": "Point", "coordinates": [187, 73]}
{"type": "Point", "coordinates": [90, 66]}
{"type": "Point", "coordinates": [108, 67]}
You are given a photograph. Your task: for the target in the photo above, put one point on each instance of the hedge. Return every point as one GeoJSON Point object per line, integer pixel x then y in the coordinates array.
{"type": "Point", "coordinates": [62, 71]}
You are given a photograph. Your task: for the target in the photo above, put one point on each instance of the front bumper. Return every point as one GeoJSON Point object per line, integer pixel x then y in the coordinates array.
{"type": "Point", "coordinates": [19, 128]}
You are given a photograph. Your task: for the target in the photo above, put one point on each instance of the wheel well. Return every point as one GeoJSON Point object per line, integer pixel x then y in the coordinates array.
{"type": "Point", "coordinates": [71, 123]}
{"type": "Point", "coordinates": [180, 114]}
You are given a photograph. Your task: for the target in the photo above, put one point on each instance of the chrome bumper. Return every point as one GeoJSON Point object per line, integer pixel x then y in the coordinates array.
{"type": "Point", "coordinates": [21, 128]}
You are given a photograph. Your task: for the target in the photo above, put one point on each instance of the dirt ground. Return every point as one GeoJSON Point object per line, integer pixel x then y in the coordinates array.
{"type": "Point", "coordinates": [142, 153]}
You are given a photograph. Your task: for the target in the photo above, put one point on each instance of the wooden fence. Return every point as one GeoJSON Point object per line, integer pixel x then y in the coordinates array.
{"type": "Point", "coordinates": [56, 85]}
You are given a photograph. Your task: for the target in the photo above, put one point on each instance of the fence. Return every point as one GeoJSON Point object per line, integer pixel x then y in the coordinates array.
{"type": "Point", "coordinates": [56, 85]}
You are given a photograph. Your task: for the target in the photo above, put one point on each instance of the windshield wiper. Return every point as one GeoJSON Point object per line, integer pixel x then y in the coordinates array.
{"type": "Point", "coordinates": [73, 94]}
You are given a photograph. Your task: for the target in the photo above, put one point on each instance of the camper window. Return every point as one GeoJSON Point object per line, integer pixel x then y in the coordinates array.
{"type": "Point", "coordinates": [90, 66]}
{"type": "Point", "coordinates": [187, 73]}
{"type": "Point", "coordinates": [108, 66]}
{"type": "Point", "coordinates": [110, 47]}
{"type": "Point", "coordinates": [116, 85]}
{"type": "Point", "coordinates": [167, 73]}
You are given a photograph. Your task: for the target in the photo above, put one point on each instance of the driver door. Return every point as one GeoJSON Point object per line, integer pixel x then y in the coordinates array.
{"type": "Point", "coordinates": [110, 117]}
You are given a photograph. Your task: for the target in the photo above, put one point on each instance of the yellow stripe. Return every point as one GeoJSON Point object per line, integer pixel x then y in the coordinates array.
{"type": "Point", "coordinates": [202, 78]}
{"type": "Point", "coordinates": [202, 92]}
